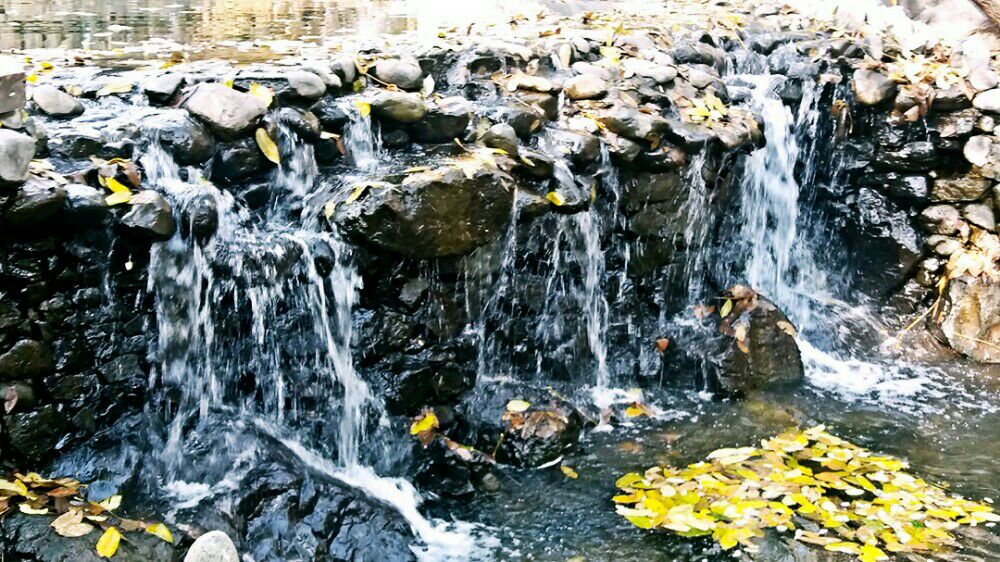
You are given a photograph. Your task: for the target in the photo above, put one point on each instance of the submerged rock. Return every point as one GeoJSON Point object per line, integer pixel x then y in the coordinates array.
{"type": "Point", "coordinates": [762, 350]}
{"type": "Point", "coordinates": [441, 212]}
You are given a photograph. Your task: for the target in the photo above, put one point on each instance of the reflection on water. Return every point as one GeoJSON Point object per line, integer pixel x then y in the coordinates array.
{"type": "Point", "coordinates": [109, 24]}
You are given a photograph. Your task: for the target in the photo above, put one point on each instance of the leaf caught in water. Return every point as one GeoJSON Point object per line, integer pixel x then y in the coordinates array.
{"type": "Point", "coordinates": [112, 503]}
{"type": "Point", "coordinates": [115, 87]}
{"type": "Point", "coordinates": [555, 198]}
{"type": "Point", "coordinates": [107, 545]}
{"type": "Point", "coordinates": [727, 307]}
{"type": "Point", "coordinates": [364, 108]}
{"type": "Point", "coordinates": [160, 530]}
{"type": "Point", "coordinates": [569, 472]}
{"type": "Point", "coordinates": [329, 209]}
{"type": "Point", "coordinates": [427, 422]}
{"type": "Point", "coordinates": [267, 146]}
{"type": "Point", "coordinates": [518, 406]}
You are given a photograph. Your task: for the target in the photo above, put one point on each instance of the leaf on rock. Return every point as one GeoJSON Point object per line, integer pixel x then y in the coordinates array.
{"type": "Point", "coordinates": [118, 198]}
{"type": "Point", "coordinates": [115, 87]}
{"type": "Point", "coordinates": [27, 509]}
{"type": "Point", "coordinates": [263, 93]}
{"type": "Point", "coordinates": [555, 198]}
{"type": "Point", "coordinates": [426, 422]}
{"type": "Point", "coordinates": [107, 545]}
{"type": "Point", "coordinates": [267, 146]}
{"type": "Point", "coordinates": [70, 524]}
{"type": "Point", "coordinates": [160, 530]}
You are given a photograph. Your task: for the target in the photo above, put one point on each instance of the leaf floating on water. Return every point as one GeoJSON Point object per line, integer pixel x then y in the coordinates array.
{"type": "Point", "coordinates": [364, 108]}
{"type": "Point", "coordinates": [329, 209]}
{"type": "Point", "coordinates": [267, 146]}
{"type": "Point", "coordinates": [518, 406]}
{"type": "Point", "coordinates": [263, 93]}
{"type": "Point", "coordinates": [555, 198]}
{"type": "Point", "coordinates": [727, 307]}
{"type": "Point", "coordinates": [160, 530]}
{"type": "Point", "coordinates": [107, 545]}
{"type": "Point", "coordinates": [356, 193]}
{"type": "Point", "coordinates": [569, 472]}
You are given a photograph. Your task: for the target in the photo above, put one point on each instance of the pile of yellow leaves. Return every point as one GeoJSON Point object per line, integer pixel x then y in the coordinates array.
{"type": "Point", "coordinates": [33, 494]}
{"type": "Point", "coordinates": [861, 503]}
{"type": "Point", "coordinates": [934, 70]}
{"type": "Point", "coordinates": [979, 257]}
{"type": "Point", "coordinates": [707, 110]}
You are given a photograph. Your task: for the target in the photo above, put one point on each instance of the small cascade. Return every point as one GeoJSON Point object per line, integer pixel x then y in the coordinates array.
{"type": "Point", "coordinates": [362, 141]}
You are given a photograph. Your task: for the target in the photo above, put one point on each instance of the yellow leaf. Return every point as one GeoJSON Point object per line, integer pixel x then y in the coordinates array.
{"type": "Point", "coordinates": [16, 486]}
{"type": "Point", "coordinates": [228, 83]}
{"type": "Point", "coordinates": [726, 308]}
{"type": "Point", "coordinates": [263, 93]}
{"type": "Point", "coordinates": [107, 545]}
{"type": "Point", "coordinates": [356, 193]}
{"type": "Point", "coordinates": [160, 530]}
{"type": "Point", "coordinates": [31, 78]}
{"type": "Point", "coordinates": [329, 209]}
{"type": "Point", "coordinates": [844, 546]}
{"type": "Point", "coordinates": [118, 198]}
{"type": "Point", "coordinates": [115, 185]}
{"type": "Point", "coordinates": [871, 553]}
{"type": "Point", "coordinates": [569, 472]}
{"type": "Point", "coordinates": [25, 508]}
{"type": "Point", "coordinates": [555, 198]}
{"type": "Point", "coordinates": [112, 503]}
{"type": "Point", "coordinates": [46, 66]}
{"type": "Point", "coordinates": [518, 406]}
{"type": "Point", "coordinates": [428, 422]}
{"type": "Point", "coordinates": [635, 411]}
{"type": "Point", "coordinates": [364, 108]}
{"type": "Point", "coordinates": [267, 146]}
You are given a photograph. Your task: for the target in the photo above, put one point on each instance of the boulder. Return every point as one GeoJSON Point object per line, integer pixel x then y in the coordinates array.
{"type": "Point", "coordinates": [872, 88]}
{"type": "Point", "coordinates": [305, 85]}
{"type": "Point", "coordinates": [331, 114]}
{"type": "Point", "coordinates": [150, 215]}
{"type": "Point", "coordinates": [227, 112]}
{"type": "Point", "coordinates": [444, 121]}
{"type": "Point", "coordinates": [501, 136]}
{"type": "Point", "coordinates": [35, 434]}
{"type": "Point", "coordinates": [585, 87]}
{"type": "Point", "coordinates": [634, 124]}
{"type": "Point", "coordinates": [405, 74]}
{"type": "Point", "coordinates": [967, 187]}
{"type": "Point", "coordinates": [539, 435]}
{"type": "Point", "coordinates": [161, 89]}
{"type": "Point", "coordinates": [942, 219]}
{"type": "Point", "coordinates": [183, 137]}
{"type": "Point", "coordinates": [34, 202]}
{"type": "Point", "coordinates": [213, 546]}
{"type": "Point", "coordinates": [84, 207]}
{"type": "Point", "coordinates": [980, 215]}
{"type": "Point", "coordinates": [988, 101]}
{"type": "Point", "coordinates": [907, 189]}
{"type": "Point", "coordinates": [971, 317]}
{"type": "Point", "coordinates": [237, 161]}
{"type": "Point", "coordinates": [760, 350]}
{"type": "Point", "coordinates": [55, 102]}
{"type": "Point", "coordinates": [399, 107]}
{"type": "Point", "coordinates": [12, 86]}
{"type": "Point", "coordinates": [26, 359]}
{"type": "Point", "coordinates": [16, 152]}
{"type": "Point", "coordinates": [441, 212]}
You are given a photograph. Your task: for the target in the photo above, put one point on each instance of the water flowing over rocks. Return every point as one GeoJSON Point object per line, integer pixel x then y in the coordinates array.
{"type": "Point", "coordinates": [444, 227]}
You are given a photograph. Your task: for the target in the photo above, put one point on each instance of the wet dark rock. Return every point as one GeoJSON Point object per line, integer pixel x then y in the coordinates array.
{"type": "Point", "coordinates": [585, 87]}
{"type": "Point", "coordinates": [161, 89]}
{"type": "Point", "coordinates": [651, 188]}
{"type": "Point", "coordinates": [406, 74]}
{"type": "Point", "coordinates": [16, 152]}
{"type": "Point", "coordinates": [396, 138]}
{"type": "Point", "coordinates": [872, 88]}
{"type": "Point", "coordinates": [952, 99]}
{"type": "Point", "coordinates": [535, 164]}
{"type": "Point", "coordinates": [203, 216]}
{"type": "Point", "coordinates": [903, 188]}
{"type": "Point", "coordinates": [941, 219]}
{"type": "Point", "coordinates": [919, 156]}
{"type": "Point", "coordinates": [579, 147]}
{"type": "Point", "coordinates": [84, 206]}
{"type": "Point", "coordinates": [623, 151]}
{"type": "Point", "coordinates": [26, 359]}
{"type": "Point", "coordinates": [436, 213]}
{"type": "Point", "coordinates": [502, 136]}
{"type": "Point", "coordinates": [962, 188]}
{"type": "Point", "coordinates": [539, 435]}
{"type": "Point", "coordinates": [237, 161]}
{"type": "Point", "coordinates": [524, 120]}
{"type": "Point", "coordinates": [55, 102]}
{"type": "Point", "coordinates": [34, 434]}
{"type": "Point", "coordinates": [884, 244]}
{"type": "Point", "coordinates": [32, 540]}
{"type": "Point", "coordinates": [186, 139]}
{"type": "Point", "coordinates": [760, 349]}
{"type": "Point", "coordinates": [399, 107]}
{"type": "Point", "coordinates": [150, 215]}
{"type": "Point", "coordinates": [664, 159]}
{"type": "Point", "coordinates": [17, 397]}
{"type": "Point", "coordinates": [331, 115]}
{"type": "Point", "coordinates": [35, 202]}
{"type": "Point", "coordinates": [77, 143]}
{"type": "Point", "coordinates": [303, 123]}
{"type": "Point", "coordinates": [956, 124]}
{"type": "Point", "coordinates": [971, 318]}
{"type": "Point", "coordinates": [444, 121]}
{"type": "Point", "coordinates": [304, 85]}
{"type": "Point", "coordinates": [548, 104]}
{"type": "Point", "coordinates": [227, 112]}
{"type": "Point", "coordinates": [634, 124]}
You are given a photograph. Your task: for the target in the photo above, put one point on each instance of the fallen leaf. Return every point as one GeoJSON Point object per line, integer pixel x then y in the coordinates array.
{"type": "Point", "coordinates": [263, 93]}
{"type": "Point", "coordinates": [364, 108]}
{"type": "Point", "coordinates": [569, 472]}
{"type": "Point", "coordinates": [267, 146]}
{"type": "Point", "coordinates": [518, 406]}
{"type": "Point", "coordinates": [107, 545]}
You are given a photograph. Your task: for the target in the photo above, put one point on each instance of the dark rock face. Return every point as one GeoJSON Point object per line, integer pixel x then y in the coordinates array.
{"type": "Point", "coordinates": [184, 138]}
{"type": "Point", "coordinates": [761, 350]}
{"type": "Point", "coordinates": [885, 245]}
{"type": "Point", "coordinates": [436, 213]}
{"type": "Point", "coordinates": [445, 121]}
{"type": "Point", "coordinates": [35, 202]}
{"type": "Point", "coordinates": [26, 359]}
{"type": "Point", "coordinates": [919, 156]}
{"type": "Point", "coordinates": [237, 161]}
